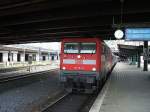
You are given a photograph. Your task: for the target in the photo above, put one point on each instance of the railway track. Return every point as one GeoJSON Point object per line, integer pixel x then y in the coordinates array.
{"type": "Point", "coordinates": [2, 80]}
{"type": "Point", "coordinates": [5, 70]}
{"type": "Point", "coordinates": [74, 102]}
{"type": "Point", "coordinates": [69, 103]}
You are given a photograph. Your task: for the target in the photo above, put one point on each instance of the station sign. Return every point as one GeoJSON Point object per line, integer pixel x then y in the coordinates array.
{"type": "Point", "coordinates": [137, 34]}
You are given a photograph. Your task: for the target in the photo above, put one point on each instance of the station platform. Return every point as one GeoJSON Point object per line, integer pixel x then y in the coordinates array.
{"type": "Point", "coordinates": [127, 90]}
{"type": "Point", "coordinates": [33, 69]}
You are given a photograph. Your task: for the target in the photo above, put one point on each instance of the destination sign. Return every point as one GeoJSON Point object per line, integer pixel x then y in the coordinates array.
{"type": "Point", "coordinates": [137, 34]}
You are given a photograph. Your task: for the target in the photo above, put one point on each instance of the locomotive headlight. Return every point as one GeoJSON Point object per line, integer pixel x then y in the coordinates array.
{"type": "Point", "coordinates": [78, 56]}
{"type": "Point", "coordinates": [63, 68]}
{"type": "Point", "coordinates": [94, 69]}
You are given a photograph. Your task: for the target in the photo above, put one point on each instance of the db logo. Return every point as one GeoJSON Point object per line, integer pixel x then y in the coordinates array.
{"type": "Point", "coordinates": [79, 62]}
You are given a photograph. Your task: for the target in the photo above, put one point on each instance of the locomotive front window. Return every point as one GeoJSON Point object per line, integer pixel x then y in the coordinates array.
{"type": "Point", "coordinates": [71, 48]}
{"type": "Point", "coordinates": [88, 48]}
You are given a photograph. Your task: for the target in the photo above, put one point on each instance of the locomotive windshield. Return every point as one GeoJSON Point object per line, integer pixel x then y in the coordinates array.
{"type": "Point", "coordinates": [88, 48]}
{"type": "Point", "coordinates": [71, 48]}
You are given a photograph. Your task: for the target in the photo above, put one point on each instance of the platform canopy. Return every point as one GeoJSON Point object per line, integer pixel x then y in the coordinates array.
{"type": "Point", "coordinates": [23, 21]}
{"type": "Point", "coordinates": [129, 50]}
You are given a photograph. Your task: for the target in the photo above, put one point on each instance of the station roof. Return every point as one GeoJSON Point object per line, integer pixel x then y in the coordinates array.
{"type": "Point", "coordinates": [23, 21]}
{"type": "Point", "coordinates": [24, 49]}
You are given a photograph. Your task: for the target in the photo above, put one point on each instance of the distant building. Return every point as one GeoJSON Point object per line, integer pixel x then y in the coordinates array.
{"type": "Point", "coordinates": [21, 54]}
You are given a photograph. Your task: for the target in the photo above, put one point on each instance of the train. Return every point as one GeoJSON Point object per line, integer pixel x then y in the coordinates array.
{"type": "Point", "coordinates": [85, 63]}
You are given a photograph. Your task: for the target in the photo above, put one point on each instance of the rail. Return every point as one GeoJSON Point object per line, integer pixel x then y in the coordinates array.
{"type": "Point", "coordinates": [69, 103]}
{"type": "Point", "coordinates": [6, 79]}
{"type": "Point", "coordinates": [22, 64]}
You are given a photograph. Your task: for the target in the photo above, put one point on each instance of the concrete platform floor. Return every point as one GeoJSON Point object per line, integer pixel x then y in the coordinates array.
{"type": "Point", "coordinates": [128, 90]}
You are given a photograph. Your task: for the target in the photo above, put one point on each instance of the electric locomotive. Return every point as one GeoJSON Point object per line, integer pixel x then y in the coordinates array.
{"type": "Point", "coordinates": [84, 63]}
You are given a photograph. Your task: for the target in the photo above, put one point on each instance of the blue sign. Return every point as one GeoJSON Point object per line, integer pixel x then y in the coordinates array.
{"type": "Point", "coordinates": [137, 34]}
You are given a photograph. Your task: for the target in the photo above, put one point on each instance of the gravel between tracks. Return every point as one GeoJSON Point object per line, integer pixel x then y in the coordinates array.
{"type": "Point", "coordinates": [23, 95]}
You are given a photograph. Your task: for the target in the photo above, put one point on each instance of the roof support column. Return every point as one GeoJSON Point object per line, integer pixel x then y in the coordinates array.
{"type": "Point", "coordinates": [138, 60]}
{"type": "Point", "coordinates": [145, 52]}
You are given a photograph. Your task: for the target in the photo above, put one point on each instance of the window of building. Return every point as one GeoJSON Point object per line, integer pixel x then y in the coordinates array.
{"type": "Point", "coordinates": [43, 58]}
{"type": "Point", "coordinates": [34, 57]}
{"type": "Point", "coordinates": [18, 57]}
{"type": "Point", "coordinates": [1, 57]}
{"type": "Point", "coordinates": [10, 56]}
{"type": "Point", "coordinates": [26, 57]}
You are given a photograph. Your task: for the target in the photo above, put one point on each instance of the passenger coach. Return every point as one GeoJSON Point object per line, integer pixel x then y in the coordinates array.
{"type": "Point", "coordinates": [84, 63]}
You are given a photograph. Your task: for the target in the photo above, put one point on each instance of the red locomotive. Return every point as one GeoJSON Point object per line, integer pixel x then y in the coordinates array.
{"type": "Point", "coordinates": [84, 63]}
